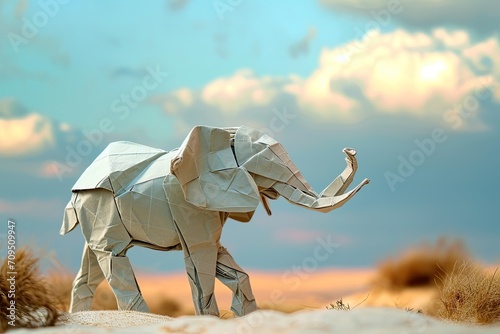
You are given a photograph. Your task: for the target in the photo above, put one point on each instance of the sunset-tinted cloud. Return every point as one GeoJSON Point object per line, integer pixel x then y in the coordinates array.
{"type": "Point", "coordinates": [422, 75]}
{"type": "Point", "coordinates": [23, 133]}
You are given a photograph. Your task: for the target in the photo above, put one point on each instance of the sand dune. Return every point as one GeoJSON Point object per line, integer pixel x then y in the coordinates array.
{"type": "Point", "coordinates": [285, 291]}
{"type": "Point", "coordinates": [377, 308]}
{"type": "Point", "coordinates": [362, 321]}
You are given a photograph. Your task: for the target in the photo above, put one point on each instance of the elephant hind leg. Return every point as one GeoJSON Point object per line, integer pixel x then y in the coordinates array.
{"type": "Point", "coordinates": [120, 276]}
{"type": "Point", "coordinates": [232, 276]}
{"type": "Point", "coordinates": [88, 278]}
{"type": "Point", "coordinates": [108, 240]}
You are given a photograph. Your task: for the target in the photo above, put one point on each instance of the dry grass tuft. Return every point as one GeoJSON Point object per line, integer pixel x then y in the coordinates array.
{"type": "Point", "coordinates": [421, 266]}
{"type": "Point", "coordinates": [34, 302]}
{"type": "Point", "coordinates": [411, 309]}
{"type": "Point", "coordinates": [61, 285]}
{"type": "Point", "coordinates": [470, 294]}
{"type": "Point", "coordinates": [339, 306]}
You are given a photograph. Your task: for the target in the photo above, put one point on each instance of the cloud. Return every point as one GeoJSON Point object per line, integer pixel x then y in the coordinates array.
{"type": "Point", "coordinates": [175, 5]}
{"type": "Point", "coordinates": [40, 167]}
{"type": "Point", "coordinates": [128, 72]}
{"type": "Point", "coordinates": [35, 207]}
{"type": "Point", "coordinates": [242, 98]}
{"type": "Point", "coordinates": [10, 109]}
{"type": "Point", "coordinates": [27, 135]}
{"type": "Point", "coordinates": [399, 72]}
{"type": "Point", "coordinates": [420, 75]}
{"type": "Point", "coordinates": [22, 133]}
{"type": "Point", "coordinates": [302, 46]}
{"type": "Point", "coordinates": [240, 91]}
{"type": "Point", "coordinates": [483, 16]}
{"type": "Point", "coordinates": [297, 236]}
{"type": "Point", "coordinates": [176, 101]}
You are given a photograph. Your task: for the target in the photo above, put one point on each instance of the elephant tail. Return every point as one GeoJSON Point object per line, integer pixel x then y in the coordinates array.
{"type": "Point", "coordinates": [70, 219]}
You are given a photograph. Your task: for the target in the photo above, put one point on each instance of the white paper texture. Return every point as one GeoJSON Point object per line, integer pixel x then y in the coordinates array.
{"type": "Point", "coordinates": [180, 200]}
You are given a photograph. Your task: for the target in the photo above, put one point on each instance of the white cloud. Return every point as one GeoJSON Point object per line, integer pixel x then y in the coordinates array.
{"type": "Point", "coordinates": [392, 73]}
{"type": "Point", "coordinates": [452, 39]}
{"type": "Point", "coordinates": [23, 134]}
{"type": "Point", "coordinates": [229, 95]}
{"type": "Point", "coordinates": [176, 101]}
{"type": "Point", "coordinates": [416, 74]}
{"type": "Point", "coordinates": [240, 91]}
{"type": "Point", "coordinates": [406, 73]}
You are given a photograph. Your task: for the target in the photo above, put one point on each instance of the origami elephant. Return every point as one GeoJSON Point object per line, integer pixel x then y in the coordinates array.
{"type": "Point", "coordinates": [180, 200]}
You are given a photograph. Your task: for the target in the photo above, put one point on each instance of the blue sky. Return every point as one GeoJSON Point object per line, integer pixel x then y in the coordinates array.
{"type": "Point", "coordinates": [413, 86]}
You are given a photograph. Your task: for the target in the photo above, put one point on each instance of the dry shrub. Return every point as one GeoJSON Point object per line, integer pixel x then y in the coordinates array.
{"type": "Point", "coordinates": [167, 306]}
{"type": "Point", "coordinates": [34, 302]}
{"type": "Point", "coordinates": [61, 283]}
{"type": "Point", "coordinates": [470, 294]}
{"type": "Point", "coordinates": [421, 266]}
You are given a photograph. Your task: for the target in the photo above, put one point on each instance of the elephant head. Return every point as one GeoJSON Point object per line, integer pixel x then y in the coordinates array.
{"type": "Point", "coordinates": [233, 169]}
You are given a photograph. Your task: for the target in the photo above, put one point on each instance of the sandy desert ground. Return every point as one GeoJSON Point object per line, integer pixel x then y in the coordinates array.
{"type": "Point", "coordinates": [409, 294]}
{"type": "Point", "coordinates": [273, 290]}
{"type": "Point", "coordinates": [376, 310]}
{"type": "Point", "coordinates": [363, 320]}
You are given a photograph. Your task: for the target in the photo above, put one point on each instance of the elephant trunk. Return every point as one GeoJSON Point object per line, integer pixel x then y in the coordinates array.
{"type": "Point", "coordinates": [340, 184]}
{"type": "Point", "coordinates": [333, 196]}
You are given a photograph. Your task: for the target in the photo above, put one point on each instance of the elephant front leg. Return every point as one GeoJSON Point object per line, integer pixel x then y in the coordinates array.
{"type": "Point", "coordinates": [200, 268]}
{"type": "Point", "coordinates": [199, 234]}
{"type": "Point", "coordinates": [236, 279]}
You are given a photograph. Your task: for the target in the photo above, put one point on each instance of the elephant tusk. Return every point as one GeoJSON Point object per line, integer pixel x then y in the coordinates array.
{"type": "Point", "coordinates": [265, 202]}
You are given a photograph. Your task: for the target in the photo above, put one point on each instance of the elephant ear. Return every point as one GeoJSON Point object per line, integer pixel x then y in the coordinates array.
{"type": "Point", "coordinates": [209, 175]}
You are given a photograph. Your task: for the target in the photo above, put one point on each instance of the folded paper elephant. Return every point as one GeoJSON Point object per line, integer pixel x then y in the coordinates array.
{"type": "Point", "coordinates": [180, 200]}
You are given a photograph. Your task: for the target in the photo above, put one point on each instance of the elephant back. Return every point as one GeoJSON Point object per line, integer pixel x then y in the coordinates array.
{"type": "Point", "coordinates": [118, 166]}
